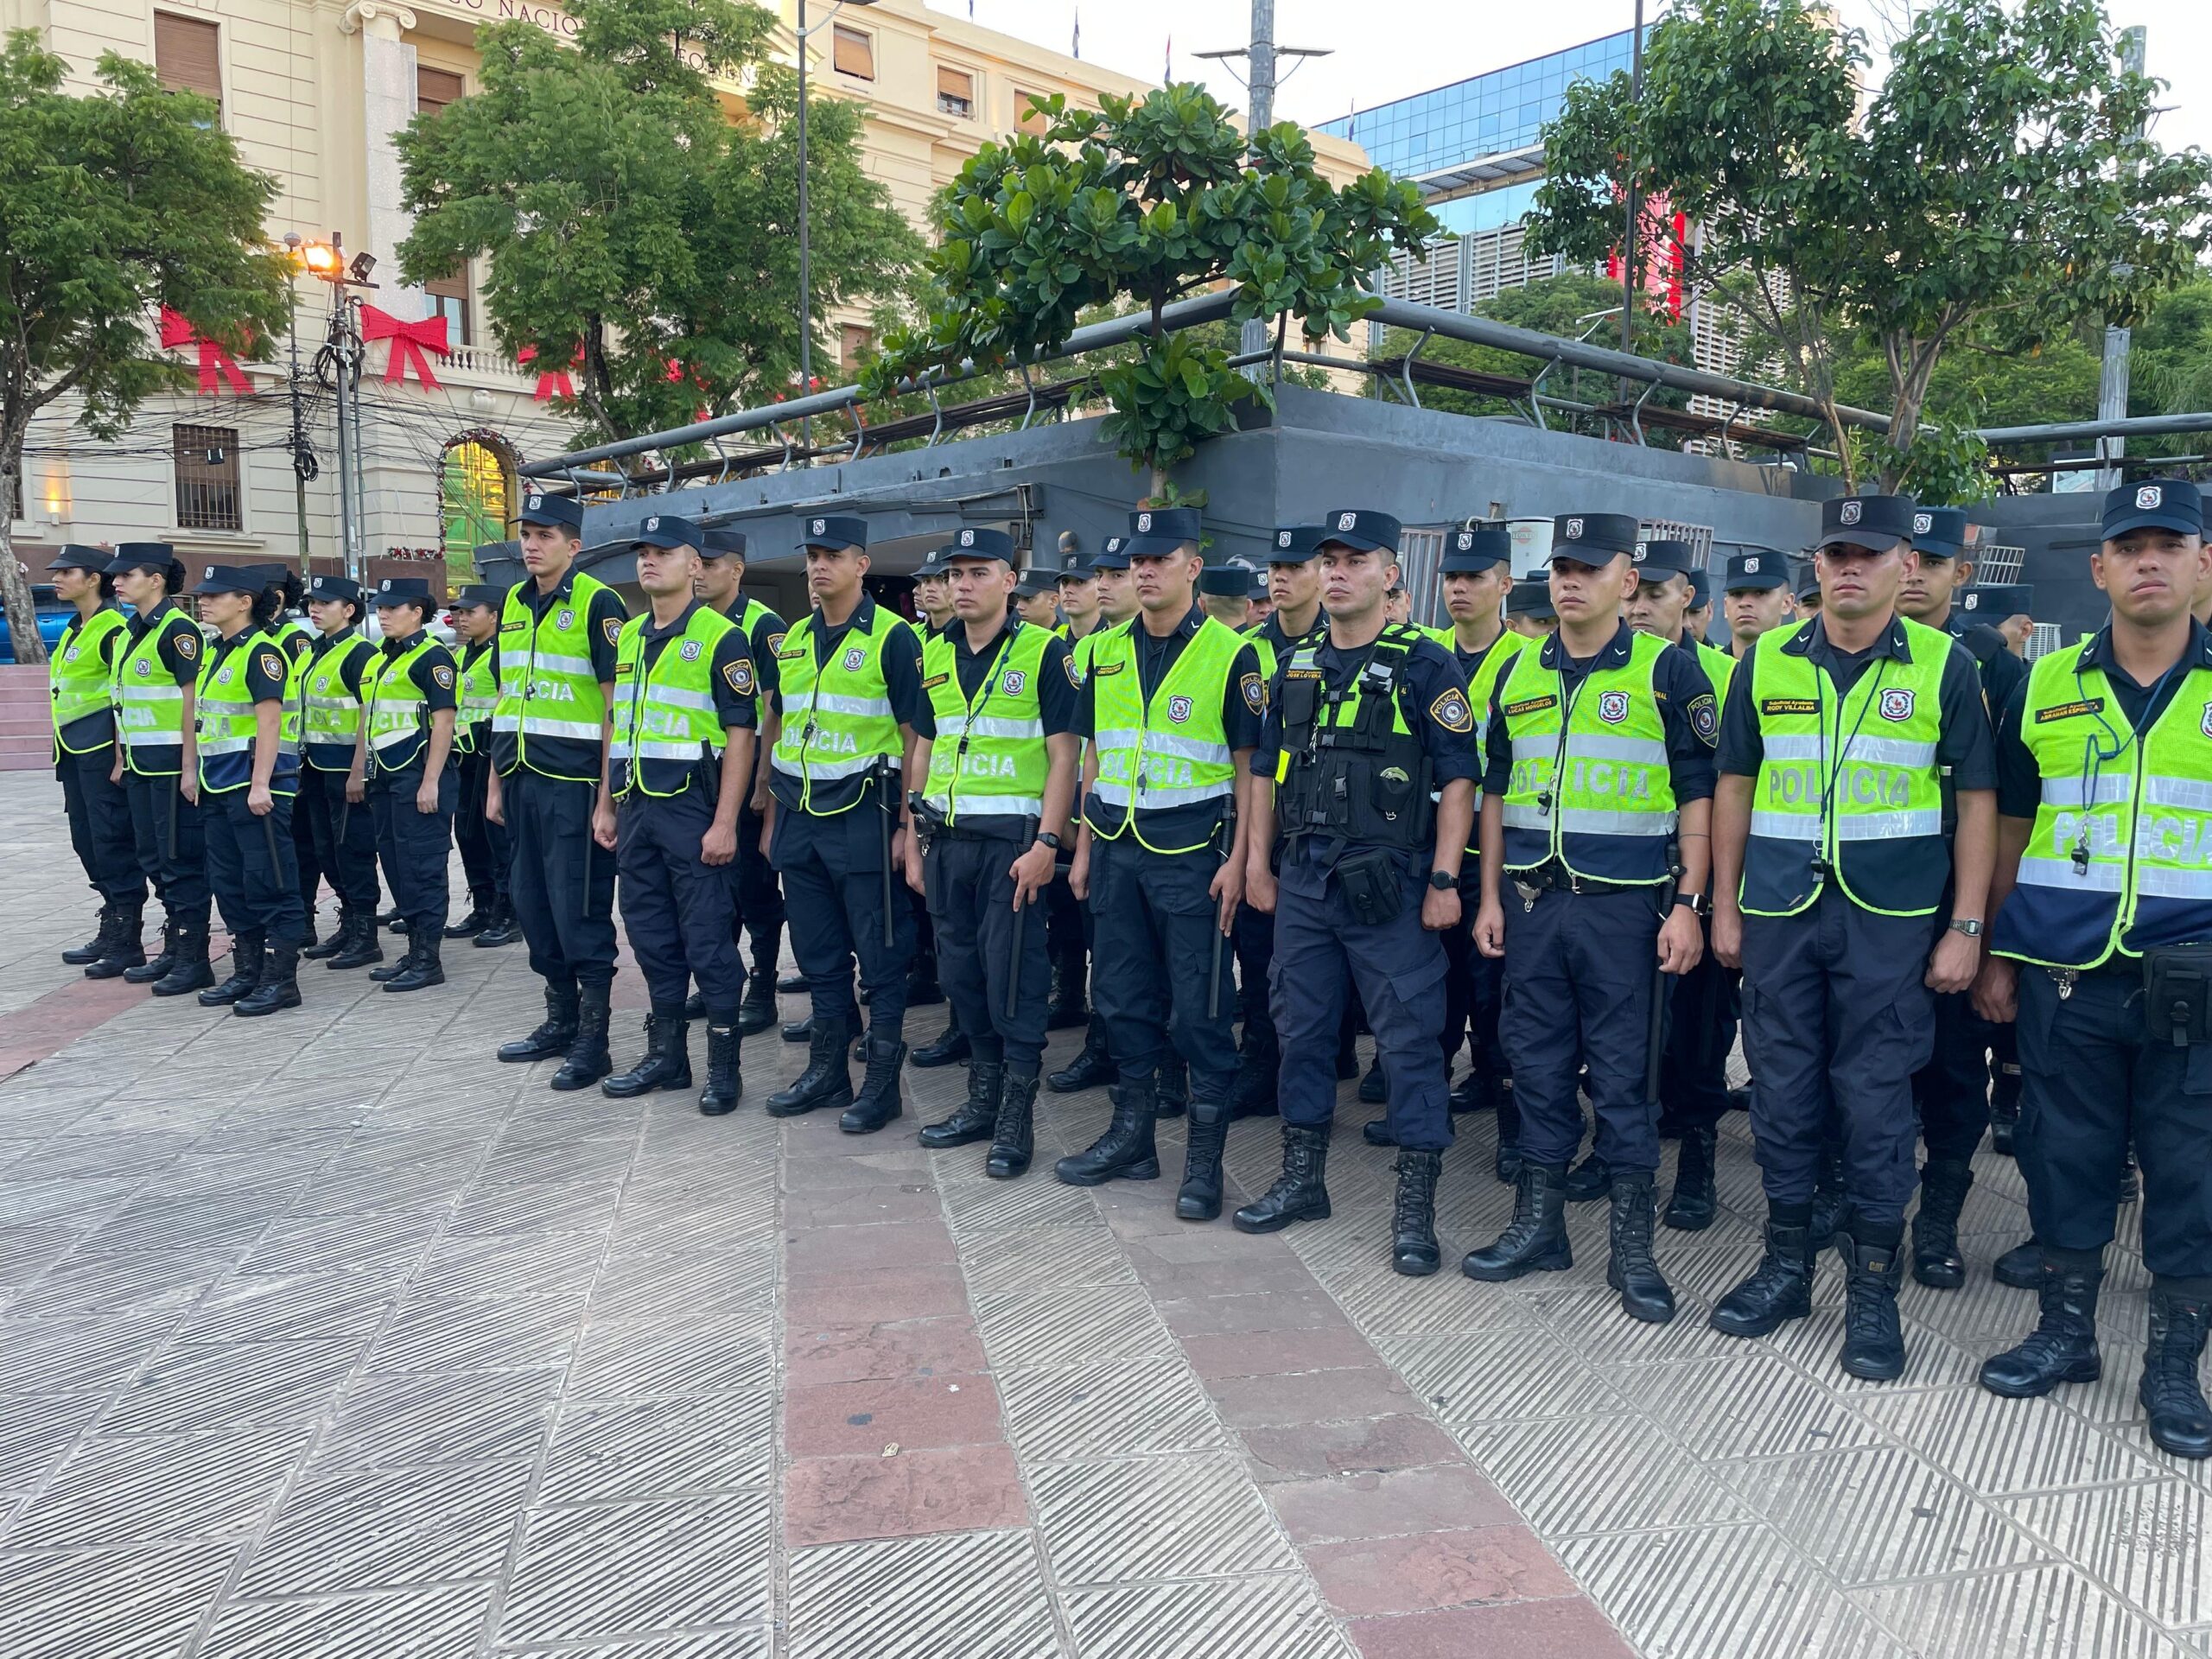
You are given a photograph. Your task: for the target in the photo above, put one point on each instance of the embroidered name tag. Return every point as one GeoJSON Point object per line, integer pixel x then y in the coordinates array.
{"type": "Point", "coordinates": [2069, 710]}
{"type": "Point", "coordinates": [1789, 706]}
{"type": "Point", "coordinates": [1531, 705]}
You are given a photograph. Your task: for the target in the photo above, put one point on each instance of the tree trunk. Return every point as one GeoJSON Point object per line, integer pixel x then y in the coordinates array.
{"type": "Point", "coordinates": [14, 584]}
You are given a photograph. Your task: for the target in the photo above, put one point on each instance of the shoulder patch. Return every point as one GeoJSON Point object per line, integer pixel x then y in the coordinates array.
{"type": "Point", "coordinates": [443, 675]}
{"type": "Point", "coordinates": [1452, 711]}
{"type": "Point", "coordinates": [1074, 678]}
{"type": "Point", "coordinates": [2069, 710]}
{"type": "Point", "coordinates": [1705, 719]}
{"type": "Point", "coordinates": [776, 644]}
{"type": "Point", "coordinates": [272, 665]}
{"type": "Point", "coordinates": [612, 628]}
{"type": "Point", "coordinates": [738, 676]}
{"type": "Point", "coordinates": [1255, 692]}
{"type": "Point", "coordinates": [187, 643]}
{"type": "Point", "coordinates": [1790, 706]}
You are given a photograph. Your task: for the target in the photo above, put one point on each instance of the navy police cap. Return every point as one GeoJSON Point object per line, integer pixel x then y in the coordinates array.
{"type": "Point", "coordinates": [75, 555]}
{"type": "Point", "coordinates": [1994, 602]}
{"type": "Point", "coordinates": [1530, 599]}
{"type": "Point", "coordinates": [1939, 533]}
{"type": "Point", "coordinates": [1155, 531]}
{"type": "Point", "coordinates": [1113, 555]}
{"type": "Point", "coordinates": [1231, 581]}
{"type": "Point", "coordinates": [1758, 570]}
{"type": "Point", "coordinates": [668, 530]}
{"type": "Point", "coordinates": [1700, 588]}
{"type": "Point", "coordinates": [1361, 528]}
{"type": "Point", "coordinates": [833, 530]}
{"type": "Point", "coordinates": [1605, 534]}
{"type": "Point", "coordinates": [488, 594]}
{"type": "Point", "coordinates": [1661, 559]}
{"type": "Point", "coordinates": [147, 556]}
{"type": "Point", "coordinates": [404, 590]}
{"type": "Point", "coordinates": [559, 512]}
{"type": "Point", "coordinates": [722, 543]}
{"type": "Point", "coordinates": [1471, 551]}
{"type": "Point", "coordinates": [2153, 504]}
{"type": "Point", "coordinates": [228, 579]}
{"type": "Point", "coordinates": [970, 542]}
{"type": "Point", "coordinates": [1877, 523]}
{"type": "Point", "coordinates": [1295, 544]}
{"type": "Point", "coordinates": [343, 589]}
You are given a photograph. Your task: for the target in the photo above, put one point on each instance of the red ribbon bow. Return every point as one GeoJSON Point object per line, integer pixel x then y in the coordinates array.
{"type": "Point", "coordinates": [408, 340]}
{"type": "Point", "coordinates": [217, 365]}
{"type": "Point", "coordinates": [550, 382]}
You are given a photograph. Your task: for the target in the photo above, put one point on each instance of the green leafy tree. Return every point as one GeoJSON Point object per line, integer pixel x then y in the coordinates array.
{"type": "Point", "coordinates": [1148, 200]}
{"type": "Point", "coordinates": [111, 206]}
{"type": "Point", "coordinates": [2170, 366]}
{"type": "Point", "coordinates": [626, 217]}
{"type": "Point", "coordinates": [1999, 173]}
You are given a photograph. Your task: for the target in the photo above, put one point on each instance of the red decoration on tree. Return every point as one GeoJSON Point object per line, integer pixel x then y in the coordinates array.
{"type": "Point", "coordinates": [409, 340]}
{"type": "Point", "coordinates": [217, 365]}
{"type": "Point", "coordinates": [553, 381]}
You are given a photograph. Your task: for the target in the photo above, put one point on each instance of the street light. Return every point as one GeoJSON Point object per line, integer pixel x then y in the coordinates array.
{"type": "Point", "coordinates": [805, 272]}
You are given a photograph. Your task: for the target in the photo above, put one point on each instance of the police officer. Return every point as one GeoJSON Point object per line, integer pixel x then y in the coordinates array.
{"type": "Point", "coordinates": [86, 762]}
{"type": "Point", "coordinates": [1596, 806]}
{"type": "Point", "coordinates": [406, 766]}
{"type": "Point", "coordinates": [157, 684]}
{"type": "Point", "coordinates": [759, 900]}
{"type": "Point", "coordinates": [1702, 1005]}
{"type": "Point", "coordinates": [997, 755]}
{"type": "Point", "coordinates": [1364, 717]}
{"type": "Point", "coordinates": [1476, 572]}
{"type": "Point", "coordinates": [850, 684]}
{"type": "Point", "coordinates": [1037, 599]}
{"type": "Point", "coordinates": [284, 592]}
{"type": "Point", "coordinates": [1224, 594]}
{"type": "Point", "coordinates": [1831, 871]}
{"type": "Point", "coordinates": [1528, 610]}
{"type": "Point", "coordinates": [1066, 933]}
{"type": "Point", "coordinates": [485, 852]}
{"type": "Point", "coordinates": [246, 716]}
{"type": "Point", "coordinates": [344, 838]}
{"type": "Point", "coordinates": [557, 636]}
{"type": "Point", "coordinates": [1756, 598]}
{"type": "Point", "coordinates": [1170, 706]}
{"type": "Point", "coordinates": [1078, 585]}
{"type": "Point", "coordinates": [933, 602]}
{"type": "Point", "coordinates": [1809, 589]}
{"type": "Point", "coordinates": [2103, 949]}
{"type": "Point", "coordinates": [1697, 622]}
{"type": "Point", "coordinates": [685, 701]}
{"type": "Point", "coordinates": [2006, 606]}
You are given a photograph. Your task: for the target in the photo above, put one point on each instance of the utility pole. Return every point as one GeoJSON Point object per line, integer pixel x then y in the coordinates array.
{"type": "Point", "coordinates": [2112, 380]}
{"type": "Point", "coordinates": [1628, 235]}
{"type": "Point", "coordinates": [345, 348]}
{"type": "Point", "coordinates": [1262, 60]}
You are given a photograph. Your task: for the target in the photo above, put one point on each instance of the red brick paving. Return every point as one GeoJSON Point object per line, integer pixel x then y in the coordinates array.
{"type": "Point", "coordinates": [1567, 1627]}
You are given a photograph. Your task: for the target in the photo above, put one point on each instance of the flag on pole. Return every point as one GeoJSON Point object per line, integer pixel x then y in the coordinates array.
{"type": "Point", "coordinates": [1075, 47]}
{"type": "Point", "coordinates": [1169, 72]}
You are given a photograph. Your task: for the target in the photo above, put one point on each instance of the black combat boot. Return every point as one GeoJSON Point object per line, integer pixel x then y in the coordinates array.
{"type": "Point", "coordinates": [187, 956]}
{"type": "Point", "coordinates": [922, 989]}
{"type": "Point", "coordinates": [1780, 1288]}
{"type": "Point", "coordinates": [154, 968]}
{"type": "Point", "coordinates": [977, 1116]}
{"type": "Point", "coordinates": [1376, 1131]}
{"type": "Point", "coordinates": [694, 1005]}
{"type": "Point", "coordinates": [2005, 1107]}
{"type": "Point", "coordinates": [1301, 1191]}
{"type": "Point", "coordinates": [949, 1050]}
{"type": "Point", "coordinates": [2170, 1392]}
{"type": "Point", "coordinates": [879, 1100]}
{"type": "Point", "coordinates": [502, 929]}
{"type": "Point", "coordinates": [828, 1079]}
{"type": "Point", "coordinates": [758, 1011]}
{"type": "Point", "coordinates": [797, 1031]}
{"type": "Point", "coordinates": [2021, 1267]}
{"type": "Point", "coordinates": [1065, 1009]}
{"type": "Point", "coordinates": [1089, 1069]}
{"type": "Point", "coordinates": [1199, 1197]}
{"type": "Point", "coordinates": [392, 970]}
{"type": "Point", "coordinates": [307, 935]}
{"type": "Point", "coordinates": [725, 1087]}
{"type": "Point", "coordinates": [667, 1060]}
{"type": "Point", "coordinates": [1630, 1270]}
{"type": "Point", "coordinates": [1171, 1088]}
{"type": "Point", "coordinates": [478, 918]}
{"type": "Point", "coordinates": [424, 968]}
{"type": "Point", "coordinates": [1589, 1180]}
{"type": "Point", "coordinates": [248, 947]}
{"type": "Point", "coordinates": [340, 937]}
{"type": "Point", "coordinates": [122, 944]}
{"type": "Point", "coordinates": [1126, 1150]}
{"type": "Point", "coordinates": [1828, 1205]}
{"type": "Point", "coordinates": [1534, 1240]}
{"type": "Point", "coordinates": [1257, 1068]}
{"type": "Point", "coordinates": [791, 984]}
{"type": "Point", "coordinates": [1873, 1341]}
{"type": "Point", "coordinates": [1507, 1167]}
{"type": "Point", "coordinates": [1375, 1086]}
{"type": "Point", "coordinates": [1014, 1143]}
{"type": "Point", "coordinates": [2062, 1348]}
{"type": "Point", "coordinates": [1413, 1249]}
{"type": "Point", "coordinates": [1691, 1207]}
{"type": "Point", "coordinates": [359, 948]}
{"type": "Point", "coordinates": [103, 942]}
{"type": "Point", "coordinates": [279, 987]}
{"type": "Point", "coordinates": [551, 1037]}
{"type": "Point", "coordinates": [589, 1060]}
{"type": "Point", "coordinates": [1935, 1261]}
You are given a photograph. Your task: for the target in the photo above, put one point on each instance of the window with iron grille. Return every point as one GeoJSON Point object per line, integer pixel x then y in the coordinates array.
{"type": "Point", "coordinates": [956, 92]}
{"type": "Point", "coordinates": [207, 493]}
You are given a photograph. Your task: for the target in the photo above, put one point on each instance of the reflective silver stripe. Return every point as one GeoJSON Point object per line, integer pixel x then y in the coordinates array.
{"type": "Point", "coordinates": [224, 707]}
{"type": "Point", "coordinates": [2060, 872]}
{"type": "Point", "coordinates": [2165, 881]}
{"type": "Point", "coordinates": [991, 806]}
{"type": "Point", "coordinates": [833, 770]}
{"type": "Point", "coordinates": [1637, 751]}
{"type": "Point", "coordinates": [550, 662]}
{"type": "Point", "coordinates": [1105, 742]}
{"type": "Point", "coordinates": [1112, 791]}
{"type": "Point", "coordinates": [1156, 798]}
{"type": "Point", "coordinates": [159, 692]}
{"type": "Point", "coordinates": [506, 722]}
{"type": "Point", "coordinates": [651, 750]}
{"type": "Point", "coordinates": [391, 740]}
{"type": "Point", "coordinates": [1586, 821]}
{"type": "Point", "coordinates": [1890, 752]}
{"type": "Point", "coordinates": [2184, 794]}
{"type": "Point", "coordinates": [1526, 818]}
{"type": "Point", "coordinates": [225, 745]}
{"type": "Point", "coordinates": [539, 726]}
{"type": "Point", "coordinates": [1889, 826]}
{"type": "Point", "coordinates": [1791, 746]}
{"type": "Point", "coordinates": [669, 696]}
{"type": "Point", "coordinates": [1186, 749]}
{"type": "Point", "coordinates": [988, 726]}
{"type": "Point", "coordinates": [1535, 748]}
{"type": "Point", "coordinates": [2071, 792]}
{"type": "Point", "coordinates": [800, 703]}
{"type": "Point", "coordinates": [1786, 826]}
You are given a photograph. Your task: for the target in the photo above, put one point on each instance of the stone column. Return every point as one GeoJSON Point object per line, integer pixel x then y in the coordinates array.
{"type": "Point", "coordinates": [388, 104]}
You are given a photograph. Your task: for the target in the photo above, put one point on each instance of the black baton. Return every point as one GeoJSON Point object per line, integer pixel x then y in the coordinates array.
{"type": "Point", "coordinates": [175, 795]}
{"type": "Point", "coordinates": [268, 828]}
{"type": "Point", "coordinates": [883, 826]}
{"type": "Point", "coordinates": [1657, 1036]}
{"type": "Point", "coordinates": [1020, 921]}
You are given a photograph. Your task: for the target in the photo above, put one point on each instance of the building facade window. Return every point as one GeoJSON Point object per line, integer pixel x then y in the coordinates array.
{"type": "Point", "coordinates": [448, 298]}
{"type": "Point", "coordinates": [956, 92]}
{"type": "Point", "coordinates": [207, 493]}
{"type": "Point", "coordinates": [187, 55]}
{"type": "Point", "coordinates": [855, 341]}
{"type": "Point", "coordinates": [852, 52]}
{"type": "Point", "coordinates": [436, 88]}
{"type": "Point", "coordinates": [1027, 119]}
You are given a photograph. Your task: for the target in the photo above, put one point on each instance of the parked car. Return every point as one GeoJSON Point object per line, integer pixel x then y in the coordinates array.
{"type": "Point", "coordinates": [53, 617]}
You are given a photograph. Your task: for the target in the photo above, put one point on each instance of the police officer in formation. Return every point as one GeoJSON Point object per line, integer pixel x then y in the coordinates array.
{"type": "Point", "coordinates": [405, 768]}
{"type": "Point", "coordinates": [2102, 953]}
{"type": "Point", "coordinates": [1528, 610]}
{"type": "Point", "coordinates": [1066, 934]}
{"type": "Point", "coordinates": [331, 690]}
{"type": "Point", "coordinates": [245, 713]}
{"type": "Point", "coordinates": [1595, 809]}
{"type": "Point", "coordinates": [484, 851]}
{"type": "Point", "coordinates": [849, 678]}
{"type": "Point", "coordinates": [681, 764]}
{"type": "Point", "coordinates": [81, 679]}
{"type": "Point", "coordinates": [996, 755]}
{"type": "Point", "coordinates": [1365, 718]}
{"type": "Point", "coordinates": [1846, 907]}
{"type": "Point", "coordinates": [1170, 707]}
{"type": "Point", "coordinates": [1757, 597]}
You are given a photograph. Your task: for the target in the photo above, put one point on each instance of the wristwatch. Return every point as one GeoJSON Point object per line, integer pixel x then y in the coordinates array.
{"type": "Point", "coordinates": [1699, 904]}
{"type": "Point", "coordinates": [1046, 838]}
{"type": "Point", "coordinates": [1443, 880]}
{"type": "Point", "coordinates": [1971, 929]}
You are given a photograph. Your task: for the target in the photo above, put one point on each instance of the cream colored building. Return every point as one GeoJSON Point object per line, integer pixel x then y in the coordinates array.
{"type": "Point", "coordinates": [313, 90]}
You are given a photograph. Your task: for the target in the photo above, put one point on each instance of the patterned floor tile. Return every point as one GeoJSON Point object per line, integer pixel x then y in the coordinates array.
{"type": "Point", "coordinates": [1156, 1518]}
{"type": "Point", "coordinates": [1999, 1447]}
{"type": "Point", "coordinates": [1043, 1258]}
{"type": "Point", "coordinates": [1499, 1375]}
{"type": "Point", "coordinates": [1749, 1407]}
{"type": "Point", "coordinates": [1598, 1474]}
{"type": "Point", "coordinates": [446, 1334]}
{"type": "Point", "coordinates": [658, 1448]}
{"type": "Point", "coordinates": [364, 1529]}
{"type": "Point", "coordinates": [977, 1594]}
{"type": "Point", "coordinates": [1113, 1408]}
{"type": "Point", "coordinates": [269, 1307]}
{"type": "Point", "coordinates": [403, 1420]}
{"type": "Point", "coordinates": [1280, 1616]}
{"type": "Point", "coordinates": [1038, 1328]}
{"type": "Point", "coordinates": [139, 1603]}
{"type": "Point", "coordinates": [639, 1569]}
{"type": "Point", "coordinates": [154, 1488]}
{"type": "Point", "coordinates": [510, 1264]}
{"type": "Point", "coordinates": [226, 1386]}
{"type": "Point", "coordinates": [2152, 1543]}
{"type": "Point", "coordinates": [2031, 1614]}
{"type": "Point", "coordinates": [635, 1359]}
{"type": "Point", "coordinates": [440, 1624]}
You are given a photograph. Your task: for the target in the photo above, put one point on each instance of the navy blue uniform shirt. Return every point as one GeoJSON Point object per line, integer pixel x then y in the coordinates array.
{"type": "Point", "coordinates": [1432, 693]}
{"type": "Point", "coordinates": [2019, 781]}
{"type": "Point", "coordinates": [1685, 704]}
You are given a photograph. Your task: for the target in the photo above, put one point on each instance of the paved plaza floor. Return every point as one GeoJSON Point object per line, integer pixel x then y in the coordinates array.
{"type": "Point", "coordinates": [325, 1335]}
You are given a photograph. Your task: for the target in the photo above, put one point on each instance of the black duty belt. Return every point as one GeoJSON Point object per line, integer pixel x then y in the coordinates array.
{"type": "Point", "coordinates": [1552, 878]}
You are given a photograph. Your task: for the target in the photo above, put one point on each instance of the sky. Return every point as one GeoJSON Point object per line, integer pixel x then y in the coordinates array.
{"type": "Point", "coordinates": [1402, 47]}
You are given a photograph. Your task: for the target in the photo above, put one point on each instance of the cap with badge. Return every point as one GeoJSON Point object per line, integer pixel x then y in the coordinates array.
{"type": "Point", "coordinates": [404, 590]}
{"type": "Point", "coordinates": [1580, 536]}
{"type": "Point", "coordinates": [148, 556]}
{"type": "Point", "coordinates": [1230, 581]}
{"type": "Point", "coordinates": [972, 543]}
{"type": "Point", "coordinates": [1077, 568]}
{"type": "Point", "coordinates": [1877, 523]}
{"type": "Point", "coordinates": [1939, 533]}
{"type": "Point", "coordinates": [1295, 544]}
{"type": "Point", "coordinates": [1157, 530]}
{"type": "Point", "coordinates": [1361, 529]}
{"type": "Point", "coordinates": [1701, 587]}
{"type": "Point", "coordinates": [228, 579]}
{"type": "Point", "coordinates": [1113, 555]}
{"type": "Point", "coordinates": [75, 555]}
{"type": "Point", "coordinates": [1034, 584]}
{"type": "Point", "coordinates": [721, 543]}
{"type": "Point", "coordinates": [667, 529]}
{"type": "Point", "coordinates": [479, 593]}
{"type": "Point", "coordinates": [2153, 504]}
{"type": "Point", "coordinates": [838, 530]}
{"type": "Point", "coordinates": [1757, 571]}
{"type": "Point", "coordinates": [1808, 585]}
{"type": "Point", "coordinates": [932, 566]}
{"type": "Point", "coordinates": [1470, 552]}
{"type": "Point", "coordinates": [1659, 559]}
{"type": "Point", "coordinates": [1994, 602]}
{"type": "Point", "coordinates": [1531, 599]}
{"type": "Point", "coordinates": [343, 589]}
{"type": "Point", "coordinates": [558, 512]}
